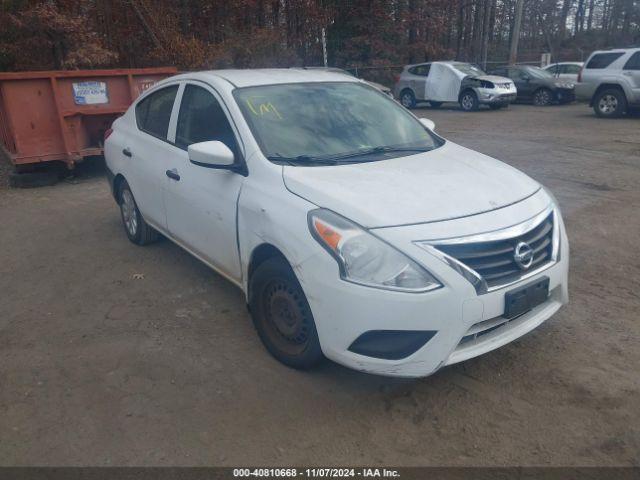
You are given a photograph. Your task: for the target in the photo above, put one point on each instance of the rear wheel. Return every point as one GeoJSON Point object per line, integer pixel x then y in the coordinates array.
{"type": "Point", "coordinates": [282, 316]}
{"type": "Point", "coordinates": [469, 101]}
{"type": "Point", "coordinates": [542, 97]}
{"type": "Point", "coordinates": [610, 103]}
{"type": "Point", "coordinates": [407, 99]}
{"type": "Point", "coordinates": [137, 230]}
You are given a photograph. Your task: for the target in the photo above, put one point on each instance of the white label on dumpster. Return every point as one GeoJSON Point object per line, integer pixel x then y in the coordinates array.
{"type": "Point", "coordinates": [90, 93]}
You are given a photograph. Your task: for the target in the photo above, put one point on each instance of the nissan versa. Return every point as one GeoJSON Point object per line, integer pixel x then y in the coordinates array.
{"type": "Point", "coordinates": [355, 232]}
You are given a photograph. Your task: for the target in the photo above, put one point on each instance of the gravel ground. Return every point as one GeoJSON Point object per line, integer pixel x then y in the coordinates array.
{"type": "Point", "coordinates": [5, 169]}
{"type": "Point", "coordinates": [111, 354]}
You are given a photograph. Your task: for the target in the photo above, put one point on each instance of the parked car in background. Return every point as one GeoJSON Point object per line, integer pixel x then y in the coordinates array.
{"type": "Point", "coordinates": [610, 81]}
{"type": "Point", "coordinates": [440, 82]}
{"type": "Point", "coordinates": [565, 70]}
{"type": "Point", "coordinates": [537, 85]}
{"type": "Point", "coordinates": [383, 88]}
{"type": "Point", "coordinates": [354, 231]}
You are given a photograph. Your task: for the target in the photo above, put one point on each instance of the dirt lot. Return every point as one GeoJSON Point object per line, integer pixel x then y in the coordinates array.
{"type": "Point", "coordinates": [102, 366]}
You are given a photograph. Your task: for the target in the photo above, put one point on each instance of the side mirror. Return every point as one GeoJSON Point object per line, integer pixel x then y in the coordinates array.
{"type": "Point", "coordinates": [428, 123]}
{"type": "Point", "coordinates": [211, 154]}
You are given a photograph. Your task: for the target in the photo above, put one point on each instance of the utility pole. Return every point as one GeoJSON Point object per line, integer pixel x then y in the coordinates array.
{"type": "Point", "coordinates": [324, 47]}
{"type": "Point", "coordinates": [513, 54]}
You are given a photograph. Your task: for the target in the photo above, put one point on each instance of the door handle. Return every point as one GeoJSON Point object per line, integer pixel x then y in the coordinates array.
{"type": "Point", "coordinates": [173, 174]}
{"type": "Point", "coordinates": [127, 153]}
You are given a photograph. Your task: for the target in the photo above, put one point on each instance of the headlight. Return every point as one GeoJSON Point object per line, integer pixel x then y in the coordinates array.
{"type": "Point", "coordinates": [366, 260]}
{"type": "Point", "coordinates": [557, 222]}
{"type": "Point", "coordinates": [553, 198]}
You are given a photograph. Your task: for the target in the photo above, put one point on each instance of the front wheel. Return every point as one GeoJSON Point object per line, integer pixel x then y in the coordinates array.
{"type": "Point", "coordinates": [542, 97]}
{"type": "Point", "coordinates": [282, 316]}
{"type": "Point", "coordinates": [469, 101]}
{"type": "Point", "coordinates": [610, 103]}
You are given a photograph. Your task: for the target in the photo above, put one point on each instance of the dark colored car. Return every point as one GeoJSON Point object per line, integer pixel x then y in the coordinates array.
{"type": "Point", "coordinates": [537, 85]}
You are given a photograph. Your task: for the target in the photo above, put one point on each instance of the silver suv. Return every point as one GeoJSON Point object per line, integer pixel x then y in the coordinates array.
{"type": "Point", "coordinates": [610, 81]}
{"type": "Point", "coordinates": [439, 82]}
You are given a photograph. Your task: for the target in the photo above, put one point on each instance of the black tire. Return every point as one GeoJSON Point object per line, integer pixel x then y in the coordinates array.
{"type": "Point", "coordinates": [435, 104]}
{"type": "Point", "coordinates": [469, 101]}
{"type": "Point", "coordinates": [33, 179]}
{"type": "Point", "coordinates": [282, 316]}
{"type": "Point", "coordinates": [610, 103]}
{"type": "Point", "coordinates": [407, 98]}
{"type": "Point", "coordinates": [137, 230]}
{"type": "Point", "coordinates": [543, 97]}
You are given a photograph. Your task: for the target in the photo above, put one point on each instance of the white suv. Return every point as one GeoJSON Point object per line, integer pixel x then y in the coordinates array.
{"type": "Point", "coordinates": [355, 232]}
{"type": "Point", "coordinates": [610, 81]}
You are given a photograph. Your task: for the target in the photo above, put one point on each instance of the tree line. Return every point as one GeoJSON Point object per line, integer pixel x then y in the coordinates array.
{"type": "Point", "coordinates": [197, 34]}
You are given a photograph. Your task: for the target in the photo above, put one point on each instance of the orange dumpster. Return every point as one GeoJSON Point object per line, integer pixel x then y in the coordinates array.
{"type": "Point", "coordinates": [62, 115]}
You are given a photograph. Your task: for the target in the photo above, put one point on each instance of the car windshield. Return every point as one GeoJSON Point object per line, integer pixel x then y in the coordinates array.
{"type": "Point", "coordinates": [330, 123]}
{"type": "Point", "coordinates": [537, 72]}
{"type": "Point", "coordinates": [468, 69]}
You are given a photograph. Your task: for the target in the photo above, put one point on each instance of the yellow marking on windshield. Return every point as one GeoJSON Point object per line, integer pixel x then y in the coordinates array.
{"type": "Point", "coordinates": [263, 109]}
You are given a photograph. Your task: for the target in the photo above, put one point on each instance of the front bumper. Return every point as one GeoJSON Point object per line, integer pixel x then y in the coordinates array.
{"type": "Point", "coordinates": [465, 324]}
{"type": "Point", "coordinates": [496, 98]}
{"type": "Point", "coordinates": [565, 95]}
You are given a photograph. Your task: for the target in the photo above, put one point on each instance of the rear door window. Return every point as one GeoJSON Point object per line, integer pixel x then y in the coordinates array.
{"type": "Point", "coordinates": [603, 60]}
{"type": "Point", "coordinates": [154, 112]}
{"type": "Point", "coordinates": [572, 69]}
{"type": "Point", "coordinates": [633, 63]}
{"type": "Point", "coordinates": [202, 119]}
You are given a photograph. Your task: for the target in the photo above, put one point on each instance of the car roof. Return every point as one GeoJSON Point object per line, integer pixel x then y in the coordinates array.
{"type": "Point", "coordinates": [564, 63]}
{"type": "Point", "coordinates": [616, 50]}
{"type": "Point", "coordinates": [269, 76]}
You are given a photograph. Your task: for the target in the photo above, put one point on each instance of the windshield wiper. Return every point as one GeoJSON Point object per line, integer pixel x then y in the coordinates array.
{"type": "Point", "coordinates": [302, 160]}
{"type": "Point", "coordinates": [381, 149]}
{"type": "Point", "coordinates": [337, 159]}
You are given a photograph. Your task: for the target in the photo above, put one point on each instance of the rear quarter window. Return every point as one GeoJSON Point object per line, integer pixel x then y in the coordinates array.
{"type": "Point", "coordinates": [422, 70]}
{"type": "Point", "coordinates": [154, 112]}
{"type": "Point", "coordinates": [603, 60]}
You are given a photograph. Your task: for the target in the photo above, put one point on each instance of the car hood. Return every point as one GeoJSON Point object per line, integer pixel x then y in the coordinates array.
{"type": "Point", "coordinates": [493, 78]}
{"type": "Point", "coordinates": [446, 183]}
{"type": "Point", "coordinates": [379, 86]}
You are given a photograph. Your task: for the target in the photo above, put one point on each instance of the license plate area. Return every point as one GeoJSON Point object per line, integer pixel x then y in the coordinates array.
{"type": "Point", "coordinates": [525, 298]}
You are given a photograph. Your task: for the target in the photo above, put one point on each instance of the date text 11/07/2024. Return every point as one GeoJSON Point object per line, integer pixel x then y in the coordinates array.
{"type": "Point", "coordinates": [316, 472]}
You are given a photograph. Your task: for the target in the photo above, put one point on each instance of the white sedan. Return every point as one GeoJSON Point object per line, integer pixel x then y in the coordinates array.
{"type": "Point", "coordinates": [355, 232]}
{"type": "Point", "coordinates": [565, 70]}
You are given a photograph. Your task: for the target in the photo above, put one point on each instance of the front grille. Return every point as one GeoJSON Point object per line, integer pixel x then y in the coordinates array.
{"type": "Point", "coordinates": [483, 328]}
{"type": "Point", "coordinates": [495, 260]}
